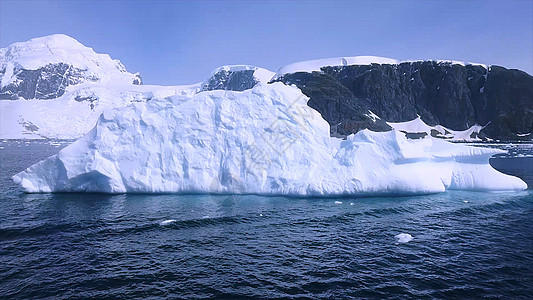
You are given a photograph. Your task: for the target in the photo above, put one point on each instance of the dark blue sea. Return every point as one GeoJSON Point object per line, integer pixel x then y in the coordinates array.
{"type": "Point", "coordinates": [465, 245]}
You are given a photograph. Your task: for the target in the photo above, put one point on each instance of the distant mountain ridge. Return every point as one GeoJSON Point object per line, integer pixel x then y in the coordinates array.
{"type": "Point", "coordinates": [445, 99]}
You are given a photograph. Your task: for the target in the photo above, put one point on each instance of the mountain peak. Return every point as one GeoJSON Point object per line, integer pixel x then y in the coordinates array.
{"type": "Point", "coordinates": [60, 49]}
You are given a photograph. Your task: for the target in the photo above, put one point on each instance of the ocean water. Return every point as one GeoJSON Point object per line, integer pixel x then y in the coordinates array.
{"type": "Point", "coordinates": [458, 245]}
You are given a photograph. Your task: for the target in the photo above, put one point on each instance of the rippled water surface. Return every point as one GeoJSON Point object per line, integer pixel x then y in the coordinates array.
{"type": "Point", "coordinates": [464, 244]}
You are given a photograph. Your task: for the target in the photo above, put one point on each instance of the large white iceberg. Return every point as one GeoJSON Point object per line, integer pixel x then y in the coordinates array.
{"type": "Point", "coordinates": [265, 140]}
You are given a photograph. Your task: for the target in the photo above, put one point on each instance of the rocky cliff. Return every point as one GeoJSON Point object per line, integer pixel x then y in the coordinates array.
{"type": "Point", "coordinates": [453, 95]}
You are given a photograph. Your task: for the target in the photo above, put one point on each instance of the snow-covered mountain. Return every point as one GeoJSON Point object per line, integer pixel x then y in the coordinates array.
{"type": "Point", "coordinates": [42, 68]}
{"type": "Point", "coordinates": [454, 100]}
{"type": "Point", "coordinates": [317, 64]}
{"type": "Point", "coordinates": [55, 87]}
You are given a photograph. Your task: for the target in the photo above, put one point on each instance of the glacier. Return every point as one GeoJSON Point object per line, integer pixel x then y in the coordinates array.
{"type": "Point", "coordinates": [75, 113]}
{"type": "Point", "coordinates": [264, 140]}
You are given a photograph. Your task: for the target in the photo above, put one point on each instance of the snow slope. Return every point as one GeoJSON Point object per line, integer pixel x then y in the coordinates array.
{"type": "Point", "coordinates": [74, 113]}
{"type": "Point", "coordinates": [265, 140]}
{"type": "Point", "coordinates": [317, 64]}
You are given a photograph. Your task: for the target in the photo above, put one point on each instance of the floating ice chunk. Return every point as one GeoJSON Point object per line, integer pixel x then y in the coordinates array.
{"type": "Point", "coordinates": [167, 222]}
{"type": "Point", "coordinates": [338, 202]}
{"type": "Point", "coordinates": [403, 238]}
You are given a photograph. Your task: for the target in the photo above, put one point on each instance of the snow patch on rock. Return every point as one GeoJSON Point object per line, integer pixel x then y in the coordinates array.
{"type": "Point", "coordinates": [102, 84]}
{"type": "Point", "coordinates": [417, 125]}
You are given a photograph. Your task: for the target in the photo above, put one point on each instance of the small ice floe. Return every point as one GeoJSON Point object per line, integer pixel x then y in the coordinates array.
{"type": "Point", "coordinates": [338, 202]}
{"type": "Point", "coordinates": [465, 201]}
{"type": "Point", "coordinates": [260, 215]}
{"type": "Point", "coordinates": [205, 217]}
{"type": "Point", "coordinates": [351, 203]}
{"type": "Point", "coordinates": [403, 238]}
{"type": "Point", "coordinates": [166, 222]}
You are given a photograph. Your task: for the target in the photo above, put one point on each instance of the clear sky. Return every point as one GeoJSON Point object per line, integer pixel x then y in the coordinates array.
{"type": "Point", "coordinates": [180, 42]}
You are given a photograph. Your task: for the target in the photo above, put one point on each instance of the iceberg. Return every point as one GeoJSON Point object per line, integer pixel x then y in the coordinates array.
{"type": "Point", "coordinates": [403, 238]}
{"type": "Point", "coordinates": [264, 140]}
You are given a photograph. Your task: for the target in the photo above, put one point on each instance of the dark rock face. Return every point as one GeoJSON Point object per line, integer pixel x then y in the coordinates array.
{"type": "Point", "coordinates": [451, 95]}
{"type": "Point", "coordinates": [48, 82]}
{"type": "Point", "coordinates": [335, 102]}
{"type": "Point", "coordinates": [231, 81]}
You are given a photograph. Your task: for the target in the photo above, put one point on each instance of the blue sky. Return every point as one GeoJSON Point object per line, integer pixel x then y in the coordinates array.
{"type": "Point", "coordinates": [180, 42]}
